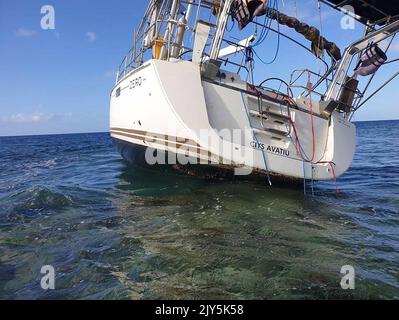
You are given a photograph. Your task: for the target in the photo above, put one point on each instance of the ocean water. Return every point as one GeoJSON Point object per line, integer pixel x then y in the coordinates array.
{"type": "Point", "coordinates": [115, 231]}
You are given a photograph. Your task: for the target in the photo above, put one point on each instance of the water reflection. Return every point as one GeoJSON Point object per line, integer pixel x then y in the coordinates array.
{"type": "Point", "coordinates": [215, 240]}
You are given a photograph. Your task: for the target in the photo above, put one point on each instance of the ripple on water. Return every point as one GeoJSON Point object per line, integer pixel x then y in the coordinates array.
{"type": "Point", "coordinates": [38, 199]}
{"type": "Point", "coordinates": [117, 231]}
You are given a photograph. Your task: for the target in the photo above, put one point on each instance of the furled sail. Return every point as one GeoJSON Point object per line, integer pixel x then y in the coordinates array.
{"type": "Point", "coordinates": [319, 43]}
{"type": "Point", "coordinates": [244, 11]}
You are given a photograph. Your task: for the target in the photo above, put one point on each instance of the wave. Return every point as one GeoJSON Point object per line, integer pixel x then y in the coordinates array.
{"type": "Point", "coordinates": [45, 164]}
{"type": "Point", "coordinates": [39, 199]}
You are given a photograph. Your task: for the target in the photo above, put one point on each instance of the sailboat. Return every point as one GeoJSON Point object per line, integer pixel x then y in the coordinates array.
{"type": "Point", "coordinates": [185, 94]}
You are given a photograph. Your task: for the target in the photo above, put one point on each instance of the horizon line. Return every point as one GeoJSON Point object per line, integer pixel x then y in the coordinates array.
{"type": "Point", "coordinates": [98, 132]}
{"type": "Point", "coordinates": [51, 134]}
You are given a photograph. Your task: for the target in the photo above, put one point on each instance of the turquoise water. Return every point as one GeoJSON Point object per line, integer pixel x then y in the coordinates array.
{"type": "Point", "coordinates": [115, 231]}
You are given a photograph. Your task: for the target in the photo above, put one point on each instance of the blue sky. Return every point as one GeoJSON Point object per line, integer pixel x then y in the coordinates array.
{"type": "Point", "coordinates": [58, 81]}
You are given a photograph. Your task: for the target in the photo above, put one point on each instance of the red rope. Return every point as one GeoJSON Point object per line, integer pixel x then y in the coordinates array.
{"type": "Point", "coordinates": [311, 116]}
{"type": "Point", "coordinates": [335, 179]}
{"type": "Point", "coordinates": [298, 143]}
{"type": "Point", "coordinates": [305, 157]}
{"type": "Point", "coordinates": [332, 164]}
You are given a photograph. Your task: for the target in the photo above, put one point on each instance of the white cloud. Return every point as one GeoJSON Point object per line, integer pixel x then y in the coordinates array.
{"type": "Point", "coordinates": [32, 118]}
{"type": "Point", "coordinates": [35, 117]}
{"type": "Point", "coordinates": [91, 36]}
{"type": "Point", "coordinates": [39, 123]}
{"type": "Point", "coordinates": [25, 33]}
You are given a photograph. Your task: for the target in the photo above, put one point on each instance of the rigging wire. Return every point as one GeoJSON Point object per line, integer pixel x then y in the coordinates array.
{"type": "Point", "coordinates": [266, 27]}
{"type": "Point", "coordinates": [323, 55]}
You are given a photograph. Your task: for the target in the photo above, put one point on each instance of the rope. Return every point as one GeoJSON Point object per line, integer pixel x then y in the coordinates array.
{"type": "Point", "coordinates": [312, 181]}
{"type": "Point", "coordinates": [257, 141]}
{"type": "Point", "coordinates": [301, 152]}
{"type": "Point", "coordinates": [335, 179]}
{"type": "Point", "coordinates": [265, 33]}
{"type": "Point", "coordinates": [250, 52]}
{"type": "Point", "coordinates": [311, 117]}
{"type": "Point", "coordinates": [304, 179]}
{"type": "Point", "coordinates": [265, 29]}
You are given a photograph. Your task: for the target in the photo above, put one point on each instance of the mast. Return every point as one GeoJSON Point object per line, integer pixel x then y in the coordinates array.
{"type": "Point", "coordinates": [221, 27]}
{"type": "Point", "coordinates": [165, 52]}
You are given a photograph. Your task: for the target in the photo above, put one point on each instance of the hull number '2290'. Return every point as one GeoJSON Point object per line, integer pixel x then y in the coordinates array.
{"type": "Point", "coordinates": [137, 82]}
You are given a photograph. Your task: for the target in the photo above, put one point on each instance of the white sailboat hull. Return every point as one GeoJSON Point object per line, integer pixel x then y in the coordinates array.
{"type": "Point", "coordinates": [167, 106]}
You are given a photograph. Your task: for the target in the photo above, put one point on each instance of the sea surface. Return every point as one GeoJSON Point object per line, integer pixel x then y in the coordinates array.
{"type": "Point", "coordinates": [115, 231]}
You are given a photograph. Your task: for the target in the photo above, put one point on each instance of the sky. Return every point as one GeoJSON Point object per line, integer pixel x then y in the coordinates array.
{"type": "Point", "coordinates": [59, 81]}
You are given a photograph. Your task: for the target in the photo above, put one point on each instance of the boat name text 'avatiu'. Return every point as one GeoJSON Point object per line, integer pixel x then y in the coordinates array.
{"type": "Point", "coordinates": [276, 150]}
